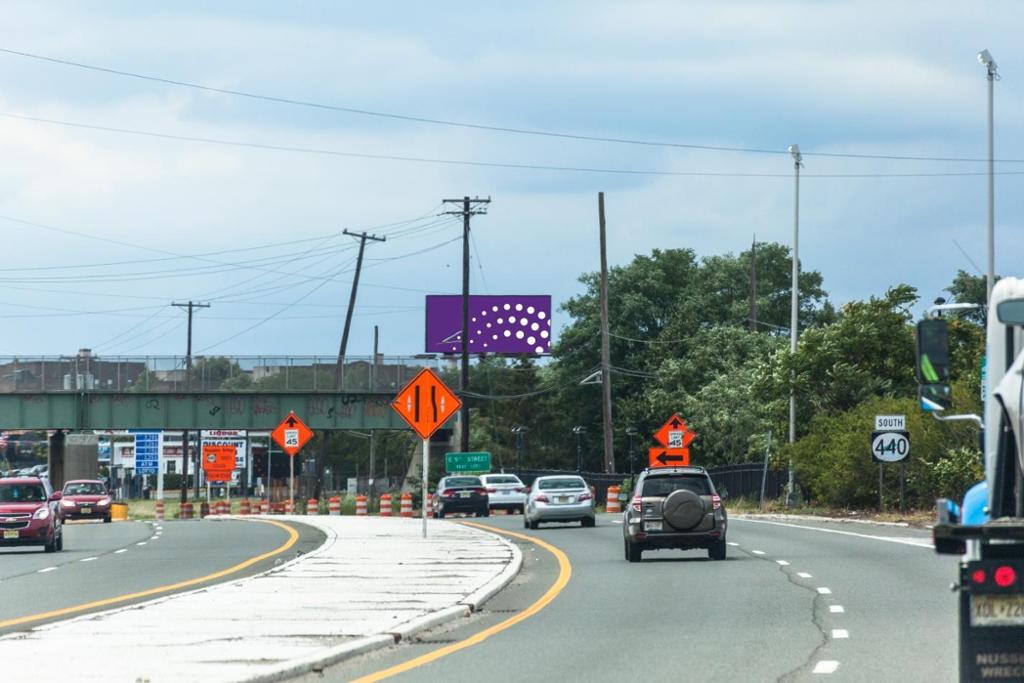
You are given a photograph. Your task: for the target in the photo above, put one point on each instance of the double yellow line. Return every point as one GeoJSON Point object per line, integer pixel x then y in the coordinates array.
{"type": "Point", "coordinates": [293, 536]}
{"type": "Point", "coordinates": [564, 574]}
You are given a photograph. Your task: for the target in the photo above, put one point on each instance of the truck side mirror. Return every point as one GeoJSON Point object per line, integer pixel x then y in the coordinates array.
{"type": "Point", "coordinates": [935, 398]}
{"type": "Point", "coordinates": [933, 351]}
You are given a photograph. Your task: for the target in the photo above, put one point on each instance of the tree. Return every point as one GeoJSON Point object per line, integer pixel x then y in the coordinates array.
{"type": "Point", "coordinates": [970, 289]}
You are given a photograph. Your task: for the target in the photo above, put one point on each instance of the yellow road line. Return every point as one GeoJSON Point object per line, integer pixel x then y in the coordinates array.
{"type": "Point", "coordinates": [293, 536]}
{"type": "Point", "coordinates": [564, 574]}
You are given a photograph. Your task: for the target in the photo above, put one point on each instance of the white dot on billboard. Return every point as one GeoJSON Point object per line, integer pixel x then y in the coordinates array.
{"type": "Point", "coordinates": [523, 321]}
{"type": "Point", "coordinates": [531, 340]}
{"type": "Point", "coordinates": [494, 308]}
{"type": "Point", "coordinates": [519, 307]}
{"type": "Point", "coordinates": [501, 321]}
{"type": "Point", "coordinates": [511, 320]}
{"type": "Point", "coordinates": [543, 334]}
{"type": "Point", "coordinates": [488, 324]}
{"type": "Point", "coordinates": [474, 319]}
{"type": "Point", "coordinates": [519, 334]}
{"type": "Point", "coordinates": [530, 309]}
{"type": "Point", "coordinates": [508, 333]}
{"type": "Point", "coordinates": [507, 306]}
{"type": "Point", "coordinates": [494, 336]}
{"type": "Point", "coordinates": [541, 315]}
{"type": "Point", "coordinates": [539, 349]}
{"type": "Point", "coordinates": [534, 327]}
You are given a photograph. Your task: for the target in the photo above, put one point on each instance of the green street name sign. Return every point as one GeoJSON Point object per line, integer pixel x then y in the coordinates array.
{"type": "Point", "coordinates": [467, 462]}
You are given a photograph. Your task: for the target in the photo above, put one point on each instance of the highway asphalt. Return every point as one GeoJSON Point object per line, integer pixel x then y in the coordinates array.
{"type": "Point", "coordinates": [102, 562]}
{"type": "Point", "coordinates": [845, 602]}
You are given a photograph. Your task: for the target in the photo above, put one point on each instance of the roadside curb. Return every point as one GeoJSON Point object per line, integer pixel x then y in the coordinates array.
{"type": "Point", "coordinates": [819, 518]}
{"type": "Point", "coordinates": [461, 610]}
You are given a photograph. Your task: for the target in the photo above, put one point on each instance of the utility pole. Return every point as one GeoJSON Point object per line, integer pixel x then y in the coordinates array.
{"type": "Point", "coordinates": [579, 430]}
{"type": "Point", "coordinates": [469, 209]}
{"type": "Point", "coordinates": [794, 313]}
{"type": "Point", "coordinates": [753, 285]}
{"type": "Point", "coordinates": [191, 305]}
{"type": "Point", "coordinates": [992, 71]}
{"type": "Point", "coordinates": [606, 375]}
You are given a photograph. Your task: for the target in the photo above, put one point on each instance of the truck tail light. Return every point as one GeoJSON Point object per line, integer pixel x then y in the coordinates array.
{"type": "Point", "coordinates": [978, 576]}
{"type": "Point", "coordinates": [1005, 576]}
{"type": "Point", "coordinates": [636, 504]}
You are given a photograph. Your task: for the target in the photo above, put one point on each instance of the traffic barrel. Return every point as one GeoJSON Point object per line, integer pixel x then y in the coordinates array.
{"type": "Point", "coordinates": [612, 504]}
{"type": "Point", "coordinates": [406, 504]}
{"type": "Point", "coordinates": [312, 507]}
{"type": "Point", "coordinates": [334, 506]}
{"type": "Point", "coordinates": [265, 506]}
{"type": "Point", "coordinates": [160, 511]}
{"type": "Point", "coordinates": [186, 511]}
{"type": "Point", "coordinates": [289, 506]}
{"type": "Point", "coordinates": [204, 509]}
{"type": "Point", "coordinates": [244, 508]}
{"type": "Point", "coordinates": [360, 506]}
{"type": "Point", "coordinates": [385, 505]}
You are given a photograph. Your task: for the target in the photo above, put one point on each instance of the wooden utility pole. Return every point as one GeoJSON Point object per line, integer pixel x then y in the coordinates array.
{"type": "Point", "coordinates": [467, 211]}
{"type": "Point", "coordinates": [606, 376]}
{"type": "Point", "coordinates": [753, 285]}
{"type": "Point", "coordinates": [343, 349]}
{"type": "Point", "coordinates": [188, 385]}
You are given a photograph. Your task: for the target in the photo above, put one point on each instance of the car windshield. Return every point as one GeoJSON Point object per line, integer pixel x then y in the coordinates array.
{"type": "Point", "coordinates": [22, 493]}
{"type": "Point", "coordinates": [662, 486]}
{"type": "Point", "coordinates": [503, 479]}
{"type": "Point", "coordinates": [566, 483]}
{"type": "Point", "coordinates": [84, 488]}
{"type": "Point", "coordinates": [462, 481]}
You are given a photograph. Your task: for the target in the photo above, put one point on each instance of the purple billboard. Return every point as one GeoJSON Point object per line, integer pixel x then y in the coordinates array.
{"type": "Point", "coordinates": [513, 324]}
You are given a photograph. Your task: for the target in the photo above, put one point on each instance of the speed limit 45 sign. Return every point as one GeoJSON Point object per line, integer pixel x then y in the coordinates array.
{"type": "Point", "coordinates": [890, 446]}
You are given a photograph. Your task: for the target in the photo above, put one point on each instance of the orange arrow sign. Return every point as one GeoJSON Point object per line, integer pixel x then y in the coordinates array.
{"type": "Point", "coordinates": [292, 434]}
{"type": "Point", "coordinates": [426, 403]}
{"type": "Point", "coordinates": [668, 457]}
{"type": "Point", "coordinates": [674, 433]}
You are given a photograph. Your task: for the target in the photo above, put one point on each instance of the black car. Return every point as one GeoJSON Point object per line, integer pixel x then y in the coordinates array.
{"type": "Point", "coordinates": [674, 507]}
{"type": "Point", "coordinates": [460, 494]}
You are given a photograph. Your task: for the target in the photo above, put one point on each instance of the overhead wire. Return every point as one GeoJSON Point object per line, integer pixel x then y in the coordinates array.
{"type": "Point", "coordinates": [479, 126]}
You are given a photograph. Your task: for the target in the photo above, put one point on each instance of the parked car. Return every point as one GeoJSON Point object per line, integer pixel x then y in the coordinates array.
{"type": "Point", "coordinates": [505, 492]}
{"type": "Point", "coordinates": [559, 498]}
{"type": "Point", "coordinates": [460, 494]}
{"type": "Point", "coordinates": [85, 499]}
{"type": "Point", "coordinates": [674, 507]}
{"type": "Point", "coordinates": [29, 514]}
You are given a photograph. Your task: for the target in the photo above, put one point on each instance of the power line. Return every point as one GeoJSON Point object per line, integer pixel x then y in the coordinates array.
{"type": "Point", "coordinates": [494, 164]}
{"type": "Point", "coordinates": [479, 126]}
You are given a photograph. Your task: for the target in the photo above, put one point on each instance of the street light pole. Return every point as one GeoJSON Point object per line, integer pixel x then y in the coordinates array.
{"type": "Point", "coordinates": [630, 433]}
{"type": "Point", "coordinates": [985, 59]}
{"type": "Point", "coordinates": [519, 431]}
{"type": "Point", "coordinates": [794, 321]}
{"type": "Point", "coordinates": [578, 430]}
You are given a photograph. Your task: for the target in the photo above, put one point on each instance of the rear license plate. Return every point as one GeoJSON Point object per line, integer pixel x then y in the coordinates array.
{"type": "Point", "coordinates": [10, 534]}
{"type": "Point", "coordinates": [564, 499]}
{"type": "Point", "coordinates": [464, 494]}
{"type": "Point", "coordinates": [86, 511]}
{"type": "Point", "coordinates": [652, 526]}
{"type": "Point", "coordinates": [997, 610]}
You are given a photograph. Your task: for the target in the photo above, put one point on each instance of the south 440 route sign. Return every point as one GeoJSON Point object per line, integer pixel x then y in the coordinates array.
{"type": "Point", "coordinates": [890, 446]}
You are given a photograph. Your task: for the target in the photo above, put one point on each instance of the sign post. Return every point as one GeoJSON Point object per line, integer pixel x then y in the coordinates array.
{"type": "Point", "coordinates": [426, 403]}
{"type": "Point", "coordinates": [890, 442]}
{"type": "Point", "coordinates": [291, 435]}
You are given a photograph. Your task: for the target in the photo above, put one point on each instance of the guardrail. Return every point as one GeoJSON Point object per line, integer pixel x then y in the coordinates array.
{"type": "Point", "coordinates": [237, 374]}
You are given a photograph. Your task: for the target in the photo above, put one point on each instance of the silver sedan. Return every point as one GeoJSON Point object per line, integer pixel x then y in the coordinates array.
{"type": "Point", "coordinates": [559, 498]}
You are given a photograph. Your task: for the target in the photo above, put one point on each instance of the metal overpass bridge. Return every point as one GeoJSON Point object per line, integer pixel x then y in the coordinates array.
{"type": "Point", "coordinates": [87, 392]}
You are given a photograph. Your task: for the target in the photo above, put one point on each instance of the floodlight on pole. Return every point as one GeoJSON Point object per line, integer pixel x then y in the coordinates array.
{"type": "Point", "coordinates": [991, 68]}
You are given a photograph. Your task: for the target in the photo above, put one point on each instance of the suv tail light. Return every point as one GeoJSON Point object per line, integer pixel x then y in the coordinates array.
{"type": "Point", "coordinates": [636, 504]}
{"type": "Point", "coordinates": [585, 496]}
{"type": "Point", "coordinates": [542, 499]}
{"type": "Point", "coordinates": [716, 501]}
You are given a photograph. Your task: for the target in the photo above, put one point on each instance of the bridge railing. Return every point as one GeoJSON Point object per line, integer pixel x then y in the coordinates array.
{"type": "Point", "coordinates": [173, 374]}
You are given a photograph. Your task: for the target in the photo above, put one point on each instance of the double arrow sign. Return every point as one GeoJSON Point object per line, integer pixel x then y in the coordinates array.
{"type": "Point", "coordinates": [674, 437]}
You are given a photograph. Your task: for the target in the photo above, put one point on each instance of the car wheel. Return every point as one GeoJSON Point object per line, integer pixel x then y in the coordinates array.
{"type": "Point", "coordinates": [440, 514]}
{"type": "Point", "coordinates": [534, 524]}
{"type": "Point", "coordinates": [717, 551]}
{"type": "Point", "coordinates": [588, 521]}
{"type": "Point", "coordinates": [51, 546]}
{"type": "Point", "coordinates": [633, 551]}
{"type": "Point", "coordinates": [60, 541]}
{"type": "Point", "coordinates": [485, 512]}
{"type": "Point", "coordinates": [526, 522]}
{"type": "Point", "coordinates": [106, 520]}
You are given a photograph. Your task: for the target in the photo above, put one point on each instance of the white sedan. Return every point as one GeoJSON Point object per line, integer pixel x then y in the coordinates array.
{"type": "Point", "coordinates": [505, 492]}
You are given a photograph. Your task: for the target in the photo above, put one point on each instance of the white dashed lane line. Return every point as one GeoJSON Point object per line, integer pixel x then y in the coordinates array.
{"type": "Point", "coordinates": [47, 569]}
{"type": "Point", "coordinates": [757, 552]}
{"type": "Point", "coordinates": [836, 609]}
{"type": "Point", "coordinates": [141, 543]}
{"type": "Point", "coordinates": [826, 666]}
{"type": "Point", "coordinates": [782, 563]}
{"type": "Point", "coordinates": [122, 550]}
{"type": "Point", "coordinates": [824, 591]}
{"type": "Point", "coordinates": [87, 559]}
{"type": "Point", "coordinates": [734, 545]}
{"type": "Point", "coordinates": [804, 575]}
{"type": "Point", "coordinates": [840, 633]}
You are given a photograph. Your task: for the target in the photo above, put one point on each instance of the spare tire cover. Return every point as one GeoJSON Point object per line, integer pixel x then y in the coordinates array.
{"type": "Point", "coordinates": [683, 509]}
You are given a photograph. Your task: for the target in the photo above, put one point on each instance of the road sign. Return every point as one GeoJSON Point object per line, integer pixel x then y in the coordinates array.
{"type": "Point", "coordinates": [292, 434]}
{"type": "Point", "coordinates": [426, 403]}
{"type": "Point", "coordinates": [218, 461]}
{"type": "Point", "coordinates": [890, 446]}
{"type": "Point", "coordinates": [890, 423]}
{"type": "Point", "coordinates": [674, 433]}
{"type": "Point", "coordinates": [668, 457]}
{"type": "Point", "coordinates": [467, 462]}
{"type": "Point", "coordinates": [148, 447]}
{"type": "Point", "coordinates": [228, 437]}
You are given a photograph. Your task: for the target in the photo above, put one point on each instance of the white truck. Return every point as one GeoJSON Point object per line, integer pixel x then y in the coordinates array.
{"type": "Point", "coordinates": [987, 530]}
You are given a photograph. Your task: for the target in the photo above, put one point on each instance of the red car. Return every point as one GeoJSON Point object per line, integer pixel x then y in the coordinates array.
{"type": "Point", "coordinates": [85, 499]}
{"type": "Point", "coordinates": [29, 514]}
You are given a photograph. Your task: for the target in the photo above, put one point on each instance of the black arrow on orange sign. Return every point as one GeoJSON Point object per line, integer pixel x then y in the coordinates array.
{"type": "Point", "coordinates": [290, 421]}
{"type": "Point", "coordinates": [664, 458]}
{"type": "Point", "coordinates": [676, 422]}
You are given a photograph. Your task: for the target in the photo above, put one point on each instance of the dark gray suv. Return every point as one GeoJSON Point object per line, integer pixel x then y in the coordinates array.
{"type": "Point", "coordinates": [674, 507]}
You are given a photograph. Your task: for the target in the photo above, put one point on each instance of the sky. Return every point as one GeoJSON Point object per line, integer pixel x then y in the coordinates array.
{"type": "Point", "coordinates": [104, 229]}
